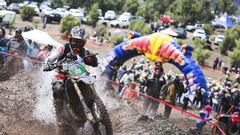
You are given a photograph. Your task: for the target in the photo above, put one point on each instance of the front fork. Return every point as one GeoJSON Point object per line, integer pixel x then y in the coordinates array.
{"type": "Point", "coordinates": [86, 109]}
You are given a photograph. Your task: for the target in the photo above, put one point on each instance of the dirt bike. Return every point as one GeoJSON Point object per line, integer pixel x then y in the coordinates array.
{"type": "Point", "coordinates": [81, 96]}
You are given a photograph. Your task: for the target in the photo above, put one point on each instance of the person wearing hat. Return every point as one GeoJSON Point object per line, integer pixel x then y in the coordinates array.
{"type": "Point", "coordinates": [205, 115]}
{"type": "Point", "coordinates": [68, 52]}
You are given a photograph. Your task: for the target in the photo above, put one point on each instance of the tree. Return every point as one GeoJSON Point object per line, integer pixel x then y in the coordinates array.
{"type": "Point", "coordinates": [229, 42]}
{"type": "Point", "coordinates": [140, 26]}
{"type": "Point", "coordinates": [58, 3]}
{"type": "Point", "coordinates": [199, 53]}
{"type": "Point", "coordinates": [190, 11]}
{"type": "Point", "coordinates": [131, 6]}
{"type": "Point", "coordinates": [68, 22]}
{"type": "Point", "coordinates": [94, 14]}
{"type": "Point", "coordinates": [208, 28]}
{"type": "Point", "coordinates": [27, 13]}
{"type": "Point", "coordinates": [101, 30]}
{"type": "Point", "coordinates": [223, 6]}
{"type": "Point", "coordinates": [115, 5]}
{"type": "Point", "coordinates": [235, 54]}
{"type": "Point", "coordinates": [73, 3]}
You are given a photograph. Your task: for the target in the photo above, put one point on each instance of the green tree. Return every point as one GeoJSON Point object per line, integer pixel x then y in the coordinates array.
{"type": "Point", "coordinates": [223, 6]}
{"type": "Point", "coordinates": [58, 3]}
{"type": "Point", "coordinates": [199, 53]}
{"type": "Point", "coordinates": [235, 54]}
{"type": "Point", "coordinates": [101, 30]}
{"type": "Point", "coordinates": [131, 6]}
{"type": "Point", "coordinates": [208, 28]}
{"type": "Point", "coordinates": [115, 5]}
{"type": "Point", "coordinates": [140, 26]}
{"type": "Point", "coordinates": [190, 11]}
{"type": "Point", "coordinates": [117, 39]}
{"type": "Point", "coordinates": [151, 9]}
{"type": "Point", "coordinates": [94, 14]}
{"type": "Point", "coordinates": [73, 3]}
{"type": "Point", "coordinates": [229, 42]}
{"type": "Point", "coordinates": [68, 22]}
{"type": "Point", "coordinates": [27, 13]}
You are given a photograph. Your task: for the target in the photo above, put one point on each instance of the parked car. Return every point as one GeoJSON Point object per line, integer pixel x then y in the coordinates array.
{"type": "Point", "coordinates": [103, 21]}
{"type": "Point", "coordinates": [125, 14]}
{"type": "Point", "coordinates": [60, 11]}
{"type": "Point", "coordinates": [199, 33]}
{"type": "Point", "coordinates": [124, 21]}
{"type": "Point", "coordinates": [120, 22]}
{"type": "Point", "coordinates": [136, 17]}
{"type": "Point", "coordinates": [52, 18]}
{"type": "Point", "coordinates": [24, 3]}
{"type": "Point", "coordinates": [46, 11]}
{"type": "Point", "coordinates": [110, 15]}
{"type": "Point", "coordinates": [194, 27]}
{"type": "Point", "coordinates": [7, 18]}
{"type": "Point", "coordinates": [14, 7]}
{"type": "Point", "coordinates": [76, 13]}
{"type": "Point", "coordinates": [182, 33]}
{"type": "Point", "coordinates": [3, 4]}
{"type": "Point", "coordinates": [219, 39]}
{"type": "Point", "coordinates": [36, 9]}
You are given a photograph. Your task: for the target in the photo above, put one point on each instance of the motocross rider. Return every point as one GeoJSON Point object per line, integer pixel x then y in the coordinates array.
{"type": "Point", "coordinates": [68, 51]}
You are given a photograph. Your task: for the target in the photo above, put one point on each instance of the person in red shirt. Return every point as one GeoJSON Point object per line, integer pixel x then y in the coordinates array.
{"type": "Point", "coordinates": [44, 53]}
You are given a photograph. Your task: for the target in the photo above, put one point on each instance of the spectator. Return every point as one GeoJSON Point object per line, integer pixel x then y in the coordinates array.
{"type": "Point", "coordinates": [44, 53]}
{"type": "Point", "coordinates": [220, 64]}
{"type": "Point", "coordinates": [169, 92]}
{"type": "Point", "coordinates": [205, 115]}
{"type": "Point", "coordinates": [215, 63]}
{"type": "Point", "coordinates": [153, 89]}
{"type": "Point", "coordinates": [186, 99]}
{"type": "Point", "coordinates": [130, 92]}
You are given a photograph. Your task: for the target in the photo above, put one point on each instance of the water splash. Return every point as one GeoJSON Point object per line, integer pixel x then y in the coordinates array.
{"type": "Point", "coordinates": [44, 109]}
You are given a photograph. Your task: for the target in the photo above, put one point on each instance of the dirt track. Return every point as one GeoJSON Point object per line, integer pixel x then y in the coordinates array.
{"type": "Point", "coordinates": [26, 109]}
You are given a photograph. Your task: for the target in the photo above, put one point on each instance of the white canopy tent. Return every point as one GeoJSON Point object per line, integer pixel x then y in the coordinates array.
{"type": "Point", "coordinates": [40, 37]}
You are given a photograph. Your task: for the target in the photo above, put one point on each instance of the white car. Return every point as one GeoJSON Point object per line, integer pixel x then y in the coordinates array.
{"type": "Point", "coordinates": [35, 7]}
{"type": "Point", "coordinates": [110, 15]}
{"type": "Point", "coordinates": [199, 33]}
{"type": "Point", "coordinates": [120, 22]}
{"type": "Point", "coordinates": [24, 3]}
{"type": "Point", "coordinates": [60, 11]}
{"type": "Point", "coordinates": [76, 13]}
{"type": "Point", "coordinates": [3, 4]}
{"type": "Point", "coordinates": [47, 11]}
{"type": "Point", "coordinates": [125, 14]}
{"type": "Point", "coordinates": [219, 39]}
{"type": "Point", "coordinates": [194, 27]}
